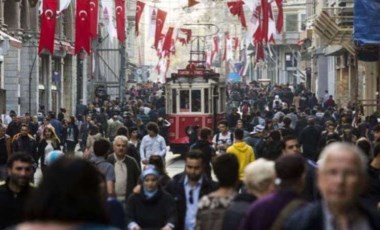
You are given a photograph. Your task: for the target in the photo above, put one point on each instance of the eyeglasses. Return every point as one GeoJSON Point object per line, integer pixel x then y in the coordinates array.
{"type": "Point", "coordinates": [191, 199]}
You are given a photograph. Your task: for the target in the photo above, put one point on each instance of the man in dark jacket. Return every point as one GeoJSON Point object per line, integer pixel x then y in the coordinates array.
{"type": "Point", "coordinates": [127, 172]}
{"type": "Point", "coordinates": [208, 152]}
{"type": "Point", "coordinates": [341, 179]}
{"type": "Point", "coordinates": [16, 189]}
{"type": "Point", "coordinates": [188, 187]}
{"type": "Point", "coordinates": [309, 139]}
{"type": "Point", "coordinates": [25, 143]}
{"type": "Point", "coordinates": [290, 146]}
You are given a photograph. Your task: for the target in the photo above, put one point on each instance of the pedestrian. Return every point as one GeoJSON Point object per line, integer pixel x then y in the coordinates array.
{"type": "Point", "coordinates": [24, 142]}
{"type": "Point", "coordinates": [127, 171]}
{"type": "Point", "coordinates": [270, 212]}
{"type": "Point", "coordinates": [16, 189]}
{"type": "Point", "coordinates": [223, 139]}
{"type": "Point", "coordinates": [309, 139]}
{"type": "Point", "coordinates": [14, 126]}
{"type": "Point", "coordinates": [211, 207]}
{"type": "Point", "coordinates": [204, 145]}
{"type": "Point", "coordinates": [71, 196]}
{"type": "Point", "coordinates": [259, 179]}
{"type": "Point", "coordinates": [48, 143]}
{"type": "Point", "coordinates": [188, 187]}
{"type": "Point", "coordinates": [101, 150]}
{"type": "Point", "coordinates": [291, 146]}
{"type": "Point", "coordinates": [152, 208]}
{"type": "Point", "coordinates": [341, 179]}
{"type": "Point", "coordinates": [5, 152]}
{"type": "Point", "coordinates": [71, 136]}
{"type": "Point", "coordinates": [152, 143]}
{"type": "Point", "coordinates": [243, 152]}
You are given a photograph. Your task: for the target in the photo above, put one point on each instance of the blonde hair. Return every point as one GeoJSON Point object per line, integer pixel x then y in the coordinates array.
{"type": "Point", "coordinates": [259, 174]}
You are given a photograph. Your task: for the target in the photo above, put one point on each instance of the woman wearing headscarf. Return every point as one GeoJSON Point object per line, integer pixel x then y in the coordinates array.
{"type": "Point", "coordinates": [152, 208]}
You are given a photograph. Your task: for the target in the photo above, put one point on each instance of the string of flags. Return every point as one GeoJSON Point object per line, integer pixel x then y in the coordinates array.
{"type": "Point", "coordinates": [260, 28]}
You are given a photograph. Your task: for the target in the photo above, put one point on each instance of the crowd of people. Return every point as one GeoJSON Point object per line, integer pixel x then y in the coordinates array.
{"type": "Point", "coordinates": [280, 160]}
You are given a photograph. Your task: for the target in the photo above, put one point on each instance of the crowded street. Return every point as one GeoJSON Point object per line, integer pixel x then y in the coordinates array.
{"type": "Point", "coordinates": [189, 115]}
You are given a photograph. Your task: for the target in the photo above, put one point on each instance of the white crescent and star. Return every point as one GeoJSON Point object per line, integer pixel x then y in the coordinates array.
{"type": "Point", "coordinates": [119, 9]}
{"type": "Point", "coordinates": [138, 8]}
{"type": "Point", "coordinates": [92, 5]}
{"type": "Point", "coordinates": [159, 22]}
{"type": "Point", "coordinates": [49, 14]}
{"type": "Point", "coordinates": [84, 13]}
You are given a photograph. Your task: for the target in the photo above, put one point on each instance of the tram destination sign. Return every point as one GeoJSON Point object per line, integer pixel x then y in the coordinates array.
{"type": "Point", "coordinates": [186, 72]}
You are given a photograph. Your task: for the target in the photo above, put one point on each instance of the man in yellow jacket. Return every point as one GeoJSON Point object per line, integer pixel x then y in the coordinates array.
{"type": "Point", "coordinates": [242, 151]}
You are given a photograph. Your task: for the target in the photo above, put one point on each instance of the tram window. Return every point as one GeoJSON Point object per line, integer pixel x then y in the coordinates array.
{"type": "Point", "coordinates": [174, 101]}
{"type": "Point", "coordinates": [184, 101]}
{"type": "Point", "coordinates": [206, 98]}
{"type": "Point", "coordinates": [196, 101]}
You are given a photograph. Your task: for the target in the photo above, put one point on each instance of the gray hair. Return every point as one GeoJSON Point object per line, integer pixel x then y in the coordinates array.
{"type": "Point", "coordinates": [120, 137]}
{"type": "Point", "coordinates": [258, 174]}
{"type": "Point", "coordinates": [344, 146]}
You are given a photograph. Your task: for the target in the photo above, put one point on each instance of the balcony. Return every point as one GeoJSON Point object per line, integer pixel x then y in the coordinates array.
{"type": "Point", "coordinates": [335, 29]}
{"type": "Point", "coordinates": [287, 38]}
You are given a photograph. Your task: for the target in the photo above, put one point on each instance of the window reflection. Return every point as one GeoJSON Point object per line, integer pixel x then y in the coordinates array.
{"type": "Point", "coordinates": [184, 101]}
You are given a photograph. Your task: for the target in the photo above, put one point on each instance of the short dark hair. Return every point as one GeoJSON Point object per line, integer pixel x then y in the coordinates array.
{"type": "Point", "coordinates": [122, 131]}
{"type": "Point", "coordinates": [365, 146]}
{"type": "Point", "coordinates": [239, 134]}
{"type": "Point", "coordinates": [70, 192]}
{"type": "Point", "coordinates": [376, 128]}
{"type": "Point", "coordinates": [204, 133]}
{"type": "Point", "coordinates": [289, 168]}
{"type": "Point", "coordinates": [195, 154]}
{"type": "Point", "coordinates": [101, 147]}
{"type": "Point", "coordinates": [226, 178]}
{"type": "Point", "coordinates": [223, 122]}
{"type": "Point", "coordinates": [152, 126]}
{"type": "Point", "coordinates": [20, 156]}
{"type": "Point", "coordinates": [286, 139]}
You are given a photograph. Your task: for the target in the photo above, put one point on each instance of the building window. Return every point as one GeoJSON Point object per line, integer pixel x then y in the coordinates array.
{"type": "Point", "coordinates": [291, 22]}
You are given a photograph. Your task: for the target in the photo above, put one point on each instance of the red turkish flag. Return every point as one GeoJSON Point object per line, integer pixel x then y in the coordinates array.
{"type": "Point", "coordinates": [120, 19]}
{"type": "Point", "coordinates": [259, 52]}
{"type": "Point", "coordinates": [236, 8]}
{"type": "Point", "coordinates": [265, 22]}
{"type": "Point", "coordinates": [139, 11]}
{"type": "Point", "coordinates": [280, 16]}
{"type": "Point", "coordinates": [160, 21]}
{"type": "Point", "coordinates": [184, 36]}
{"type": "Point", "coordinates": [94, 5]}
{"type": "Point", "coordinates": [48, 21]}
{"type": "Point", "coordinates": [166, 47]}
{"type": "Point", "coordinates": [82, 26]}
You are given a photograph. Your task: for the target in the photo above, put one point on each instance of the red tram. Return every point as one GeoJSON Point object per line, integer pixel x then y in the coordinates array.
{"type": "Point", "coordinates": [195, 97]}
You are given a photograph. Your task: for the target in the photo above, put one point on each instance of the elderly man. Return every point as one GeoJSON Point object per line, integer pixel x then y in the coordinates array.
{"type": "Point", "coordinates": [341, 179]}
{"type": "Point", "coordinates": [127, 171]}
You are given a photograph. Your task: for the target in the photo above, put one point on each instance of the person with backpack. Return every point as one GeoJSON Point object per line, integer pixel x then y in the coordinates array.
{"type": "Point", "coordinates": [223, 139]}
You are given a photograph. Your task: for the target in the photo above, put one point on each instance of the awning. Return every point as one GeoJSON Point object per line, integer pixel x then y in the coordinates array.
{"type": "Point", "coordinates": [12, 40]}
{"type": "Point", "coordinates": [63, 46]}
